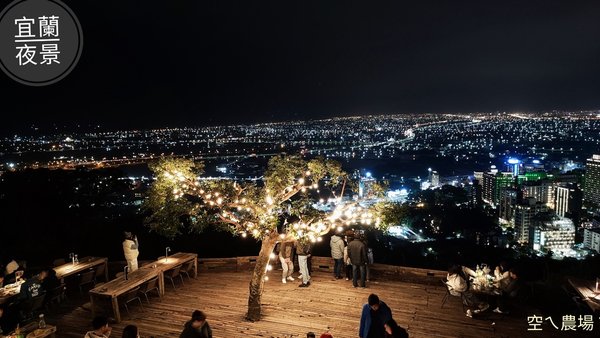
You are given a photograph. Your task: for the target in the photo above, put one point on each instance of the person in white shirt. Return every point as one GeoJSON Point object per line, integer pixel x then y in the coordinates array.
{"type": "Point", "coordinates": [458, 286]}
{"type": "Point", "coordinates": [130, 249]}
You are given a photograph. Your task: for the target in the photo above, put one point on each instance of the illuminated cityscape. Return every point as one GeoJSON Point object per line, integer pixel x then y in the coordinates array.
{"type": "Point", "coordinates": [300, 169]}
{"type": "Point", "coordinates": [526, 171]}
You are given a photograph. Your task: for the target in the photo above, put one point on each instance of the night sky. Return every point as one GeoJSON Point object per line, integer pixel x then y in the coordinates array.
{"type": "Point", "coordinates": [189, 63]}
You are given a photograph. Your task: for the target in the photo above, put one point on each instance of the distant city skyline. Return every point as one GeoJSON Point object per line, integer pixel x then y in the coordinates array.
{"type": "Point", "coordinates": [207, 63]}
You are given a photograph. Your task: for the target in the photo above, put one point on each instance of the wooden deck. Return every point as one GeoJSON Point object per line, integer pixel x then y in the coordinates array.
{"type": "Point", "coordinates": [290, 311]}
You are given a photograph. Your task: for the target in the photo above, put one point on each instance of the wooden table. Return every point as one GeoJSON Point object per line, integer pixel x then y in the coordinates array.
{"type": "Point", "coordinates": [85, 263]}
{"type": "Point", "coordinates": [12, 291]}
{"type": "Point", "coordinates": [585, 288]}
{"type": "Point", "coordinates": [120, 286]}
{"type": "Point", "coordinates": [28, 329]}
{"type": "Point", "coordinates": [173, 261]}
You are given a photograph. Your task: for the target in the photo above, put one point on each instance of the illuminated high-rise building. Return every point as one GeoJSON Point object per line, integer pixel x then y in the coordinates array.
{"type": "Point", "coordinates": [435, 179]}
{"type": "Point", "coordinates": [493, 185]}
{"type": "Point", "coordinates": [556, 235]}
{"type": "Point", "coordinates": [506, 208]}
{"type": "Point", "coordinates": [592, 180]}
{"type": "Point", "coordinates": [514, 166]}
{"type": "Point", "coordinates": [524, 218]}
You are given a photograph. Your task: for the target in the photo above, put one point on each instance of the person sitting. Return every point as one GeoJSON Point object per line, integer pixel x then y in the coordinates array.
{"type": "Point", "coordinates": [458, 286]}
{"type": "Point", "coordinates": [130, 331]}
{"type": "Point", "coordinates": [33, 286]}
{"type": "Point", "coordinates": [197, 327]}
{"type": "Point", "coordinates": [502, 275]}
{"type": "Point", "coordinates": [509, 292]}
{"type": "Point", "coordinates": [11, 267]}
{"type": "Point", "coordinates": [392, 330]}
{"type": "Point", "coordinates": [101, 328]}
{"type": "Point", "coordinates": [51, 282]}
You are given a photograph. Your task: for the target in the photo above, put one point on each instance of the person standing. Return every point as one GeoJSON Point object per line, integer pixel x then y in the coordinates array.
{"type": "Point", "coordinates": [337, 253]}
{"type": "Point", "coordinates": [357, 251]}
{"type": "Point", "coordinates": [286, 251]}
{"type": "Point", "coordinates": [131, 250]}
{"type": "Point", "coordinates": [303, 250]}
{"type": "Point", "coordinates": [197, 327]}
{"type": "Point", "coordinates": [373, 318]}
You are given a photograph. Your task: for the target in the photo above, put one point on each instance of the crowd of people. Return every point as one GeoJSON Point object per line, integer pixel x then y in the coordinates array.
{"type": "Point", "coordinates": [351, 258]}
{"type": "Point", "coordinates": [196, 327]}
{"type": "Point", "coordinates": [506, 287]}
{"type": "Point", "coordinates": [375, 322]}
{"type": "Point", "coordinates": [34, 283]}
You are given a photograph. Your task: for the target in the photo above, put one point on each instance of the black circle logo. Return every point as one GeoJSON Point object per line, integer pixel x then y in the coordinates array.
{"type": "Point", "coordinates": [40, 41]}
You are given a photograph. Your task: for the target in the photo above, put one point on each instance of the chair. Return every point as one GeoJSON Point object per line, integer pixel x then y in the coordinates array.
{"type": "Point", "coordinates": [172, 274]}
{"type": "Point", "coordinates": [100, 273]}
{"type": "Point", "coordinates": [56, 295]}
{"type": "Point", "coordinates": [186, 268]}
{"type": "Point", "coordinates": [86, 278]}
{"type": "Point", "coordinates": [130, 296]}
{"type": "Point", "coordinates": [59, 262]}
{"type": "Point", "coordinates": [148, 287]}
{"type": "Point", "coordinates": [30, 307]}
{"type": "Point", "coordinates": [448, 294]}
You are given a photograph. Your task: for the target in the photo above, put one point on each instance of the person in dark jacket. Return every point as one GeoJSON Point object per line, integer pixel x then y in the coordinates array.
{"type": "Point", "coordinates": [286, 252]}
{"type": "Point", "coordinates": [373, 318]}
{"type": "Point", "coordinates": [510, 292]}
{"type": "Point", "coordinates": [51, 281]}
{"type": "Point", "coordinates": [357, 251]}
{"type": "Point", "coordinates": [303, 250]}
{"type": "Point", "coordinates": [197, 327]}
{"type": "Point", "coordinates": [33, 286]}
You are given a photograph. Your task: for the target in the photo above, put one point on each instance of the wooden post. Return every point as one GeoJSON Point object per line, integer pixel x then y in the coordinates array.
{"type": "Point", "coordinates": [115, 305]}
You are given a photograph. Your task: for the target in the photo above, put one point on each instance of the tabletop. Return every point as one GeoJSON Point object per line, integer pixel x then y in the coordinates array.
{"type": "Point", "coordinates": [85, 263]}
{"type": "Point", "coordinates": [586, 289]}
{"type": "Point", "coordinates": [174, 260]}
{"type": "Point", "coordinates": [120, 285]}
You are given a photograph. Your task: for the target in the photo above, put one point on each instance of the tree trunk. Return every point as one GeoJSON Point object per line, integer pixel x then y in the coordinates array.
{"type": "Point", "coordinates": [258, 277]}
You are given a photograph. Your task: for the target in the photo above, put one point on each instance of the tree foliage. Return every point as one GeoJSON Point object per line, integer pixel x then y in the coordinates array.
{"type": "Point", "coordinates": [181, 201]}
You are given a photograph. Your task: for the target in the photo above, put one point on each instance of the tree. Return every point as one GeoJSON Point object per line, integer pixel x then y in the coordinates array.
{"type": "Point", "coordinates": [277, 209]}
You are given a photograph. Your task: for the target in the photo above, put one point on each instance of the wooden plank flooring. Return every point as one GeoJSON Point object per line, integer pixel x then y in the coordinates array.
{"type": "Point", "coordinates": [290, 311]}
